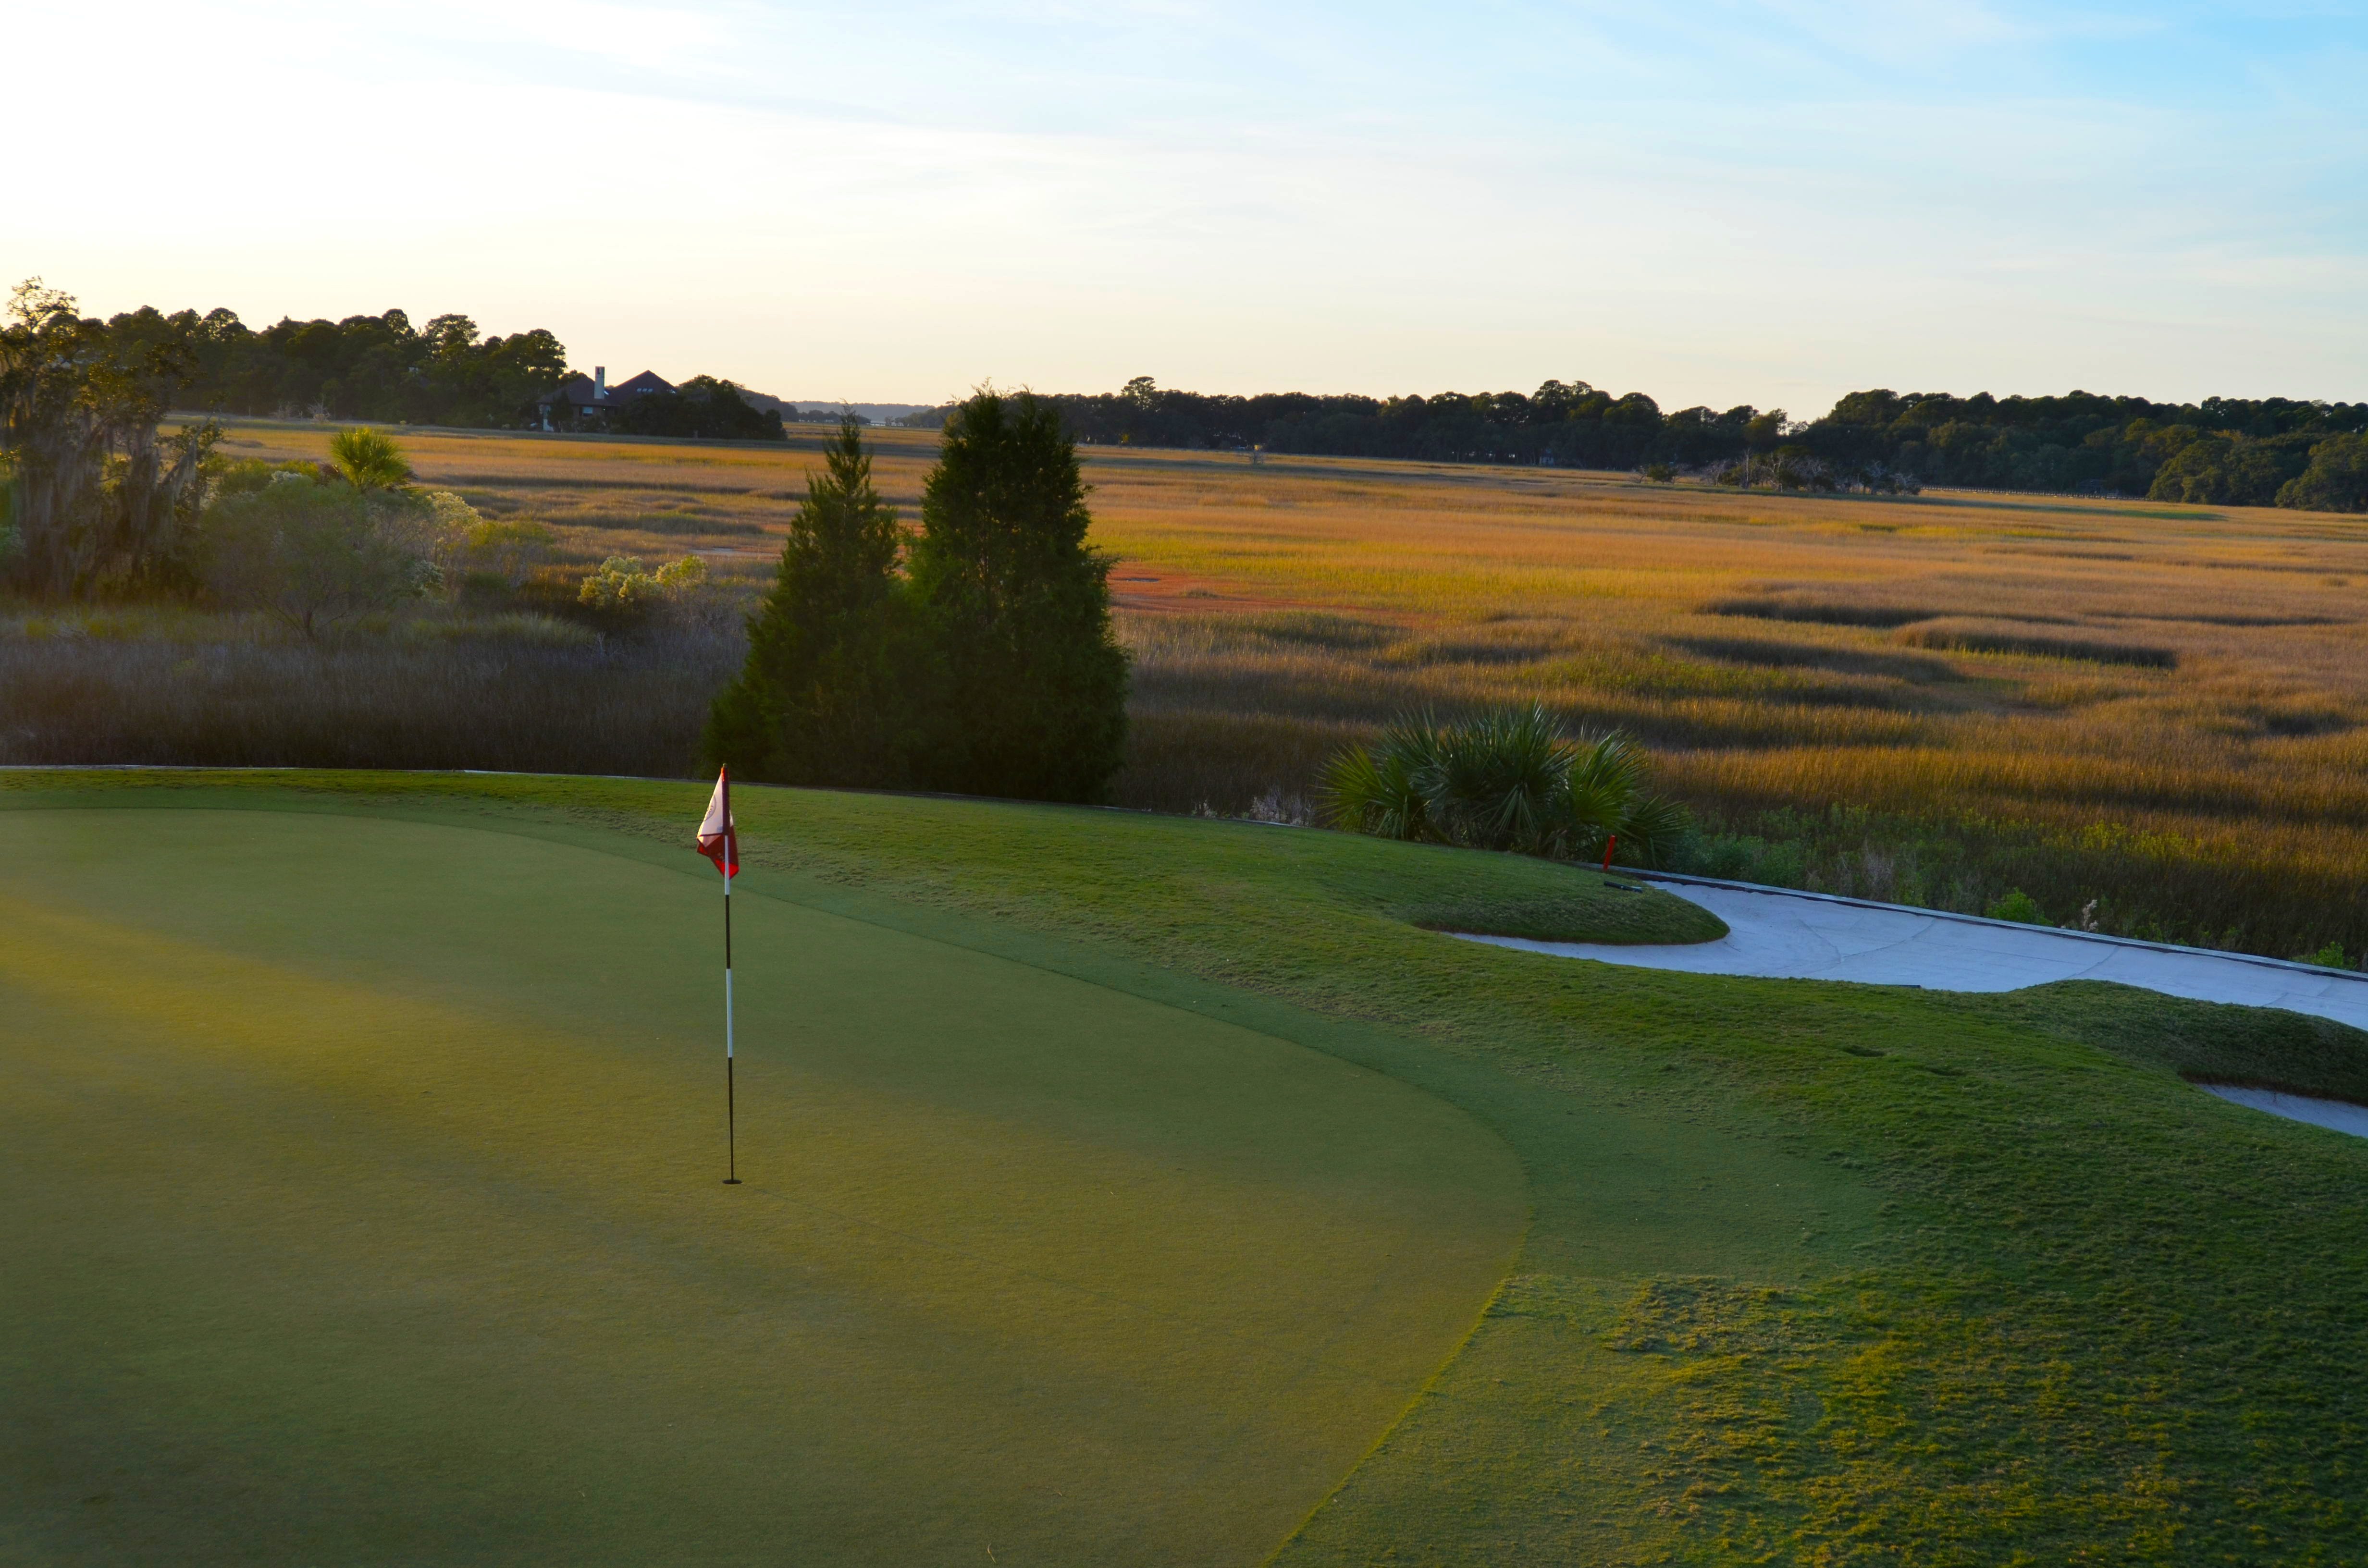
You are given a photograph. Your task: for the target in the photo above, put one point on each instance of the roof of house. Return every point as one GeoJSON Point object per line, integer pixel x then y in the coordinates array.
{"type": "Point", "coordinates": [579, 391]}
{"type": "Point", "coordinates": [576, 390]}
{"type": "Point", "coordinates": [641, 386]}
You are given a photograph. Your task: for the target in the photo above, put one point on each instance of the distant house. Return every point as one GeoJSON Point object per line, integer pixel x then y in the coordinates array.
{"type": "Point", "coordinates": [582, 402]}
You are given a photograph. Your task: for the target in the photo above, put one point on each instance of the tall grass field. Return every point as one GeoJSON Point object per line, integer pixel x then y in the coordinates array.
{"type": "Point", "coordinates": [1117, 1188]}
{"type": "Point", "coordinates": [2151, 718]}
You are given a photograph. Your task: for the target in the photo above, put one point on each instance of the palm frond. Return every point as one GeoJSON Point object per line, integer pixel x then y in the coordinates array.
{"type": "Point", "coordinates": [369, 459]}
{"type": "Point", "coordinates": [1372, 790]}
{"type": "Point", "coordinates": [1497, 780]}
{"type": "Point", "coordinates": [1606, 773]}
{"type": "Point", "coordinates": [1652, 831]}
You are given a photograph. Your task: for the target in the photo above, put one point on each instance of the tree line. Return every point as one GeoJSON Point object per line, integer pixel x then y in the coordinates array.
{"type": "Point", "coordinates": [1572, 425]}
{"type": "Point", "coordinates": [2270, 451]}
{"type": "Point", "coordinates": [380, 369]}
{"type": "Point", "coordinates": [2224, 451]}
{"type": "Point", "coordinates": [2233, 451]}
{"type": "Point", "coordinates": [386, 370]}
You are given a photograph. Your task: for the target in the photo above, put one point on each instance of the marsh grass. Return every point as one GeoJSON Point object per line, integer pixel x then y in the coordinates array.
{"type": "Point", "coordinates": [2233, 813]}
{"type": "Point", "coordinates": [513, 692]}
{"type": "Point", "coordinates": [1933, 698]}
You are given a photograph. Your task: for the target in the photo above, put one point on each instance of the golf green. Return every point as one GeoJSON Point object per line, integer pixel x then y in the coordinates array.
{"type": "Point", "coordinates": [364, 1204]}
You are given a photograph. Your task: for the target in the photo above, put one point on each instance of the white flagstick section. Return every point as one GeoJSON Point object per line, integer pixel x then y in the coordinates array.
{"type": "Point", "coordinates": [718, 841]}
{"type": "Point", "coordinates": [730, 1138]}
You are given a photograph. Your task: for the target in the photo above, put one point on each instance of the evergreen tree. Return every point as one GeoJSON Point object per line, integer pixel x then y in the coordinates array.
{"type": "Point", "coordinates": [829, 694]}
{"type": "Point", "coordinates": [1017, 610]}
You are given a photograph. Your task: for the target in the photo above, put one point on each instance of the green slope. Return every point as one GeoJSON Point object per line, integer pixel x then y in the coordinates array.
{"type": "Point", "coordinates": [1812, 1273]}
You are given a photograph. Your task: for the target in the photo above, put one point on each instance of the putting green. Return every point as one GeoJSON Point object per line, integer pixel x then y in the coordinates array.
{"type": "Point", "coordinates": [363, 1205]}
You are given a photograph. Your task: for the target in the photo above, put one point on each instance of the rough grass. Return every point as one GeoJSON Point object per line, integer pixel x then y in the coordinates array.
{"type": "Point", "coordinates": [1815, 1273]}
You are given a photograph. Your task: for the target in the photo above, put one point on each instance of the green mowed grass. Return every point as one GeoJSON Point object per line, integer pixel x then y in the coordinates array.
{"type": "Point", "coordinates": [1811, 1273]}
{"type": "Point", "coordinates": [364, 1205]}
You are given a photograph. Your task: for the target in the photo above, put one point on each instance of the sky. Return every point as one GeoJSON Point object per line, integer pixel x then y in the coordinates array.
{"type": "Point", "coordinates": [1719, 202]}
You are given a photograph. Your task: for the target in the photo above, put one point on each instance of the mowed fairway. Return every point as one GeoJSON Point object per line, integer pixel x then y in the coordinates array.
{"type": "Point", "coordinates": [1117, 1193]}
{"type": "Point", "coordinates": [363, 1204]}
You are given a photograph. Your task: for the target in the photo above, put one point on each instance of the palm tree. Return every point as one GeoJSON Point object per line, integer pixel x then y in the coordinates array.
{"type": "Point", "coordinates": [369, 459]}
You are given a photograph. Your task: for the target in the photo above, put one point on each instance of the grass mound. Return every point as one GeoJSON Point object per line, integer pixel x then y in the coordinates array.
{"type": "Point", "coordinates": [1577, 911]}
{"type": "Point", "coordinates": [2257, 1047]}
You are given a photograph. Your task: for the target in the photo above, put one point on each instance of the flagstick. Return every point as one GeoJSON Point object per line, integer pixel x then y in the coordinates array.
{"type": "Point", "coordinates": [731, 1156]}
{"type": "Point", "coordinates": [718, 839]}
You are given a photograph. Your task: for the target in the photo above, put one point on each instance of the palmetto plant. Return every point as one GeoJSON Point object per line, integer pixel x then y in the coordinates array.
{"type": "Point", "coordinates": [1512, 779]}
{"type": "Point", "coordinates": [1381, 790]}
{"type": "Point", "coordinates": [1501, 781]}
{"type": "Point", "coordinates": [1604, 787]}
{"type": "Point", "coordinates": [369, 459]}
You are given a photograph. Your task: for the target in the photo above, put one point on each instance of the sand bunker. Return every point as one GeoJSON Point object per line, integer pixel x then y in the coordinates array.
{"type": "Point", "coordinates": [1798, 936]}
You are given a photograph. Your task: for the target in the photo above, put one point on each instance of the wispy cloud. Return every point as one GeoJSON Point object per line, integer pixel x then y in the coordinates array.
{"type": "Point", "coordinates": [1743, 200]}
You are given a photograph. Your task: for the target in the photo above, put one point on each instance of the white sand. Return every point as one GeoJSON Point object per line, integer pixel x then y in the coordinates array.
{"type": "Point", "coordinates": [1802, 935]}
{"type": "Point", "coordinates": [1796, 936]}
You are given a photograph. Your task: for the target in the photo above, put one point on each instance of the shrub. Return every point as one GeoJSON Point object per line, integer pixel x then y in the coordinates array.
{"type": "Point", "coordinates": [311, 555]}
{"type": "Point", "coordinates": [620, 596]}
{"type": "Point", "coordinates": [1510, 779]}
{"type": "Point", "coordinates": [505, 549]}
{"type": "Point", "coordinates": [2331, 956]}
{"type": "Point", "coordinates": [1730, 858]}
{"type": "Point", "coordinates": [2018, 906]}
{"type": "Point", "coordinates": [433, 527]}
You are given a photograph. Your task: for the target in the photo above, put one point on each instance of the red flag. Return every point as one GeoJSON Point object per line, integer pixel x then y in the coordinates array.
{"type": "Point", "coordinates": [718, 839]}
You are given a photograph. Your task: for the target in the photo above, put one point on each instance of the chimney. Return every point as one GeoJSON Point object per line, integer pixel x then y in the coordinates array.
{"type": "Point", "coordinates": [600, 380]}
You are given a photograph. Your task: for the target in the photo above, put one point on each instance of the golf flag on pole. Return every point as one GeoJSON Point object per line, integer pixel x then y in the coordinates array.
{"type": "Point", "coordinates": [720, 842]}
{"type": "Point", "coordinates": [717, 839]}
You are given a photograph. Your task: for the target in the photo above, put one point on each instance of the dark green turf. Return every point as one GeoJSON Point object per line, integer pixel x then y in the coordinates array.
{"type": "Point", "coordinates": [1815, 1273]}
{"type": "Point", "coordinates": [364, 1207]}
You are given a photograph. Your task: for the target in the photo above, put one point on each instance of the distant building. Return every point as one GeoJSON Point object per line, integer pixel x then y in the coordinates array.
{"type": "Point", "coordinates": [586, 402]}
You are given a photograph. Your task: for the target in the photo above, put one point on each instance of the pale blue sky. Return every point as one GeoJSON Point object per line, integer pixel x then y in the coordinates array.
{"type": "Point", "coordinates": [1734, 203]}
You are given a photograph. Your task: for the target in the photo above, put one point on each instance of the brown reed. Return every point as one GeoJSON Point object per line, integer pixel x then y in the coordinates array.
{"type": "Point", "coordinates": [2163, 709]}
